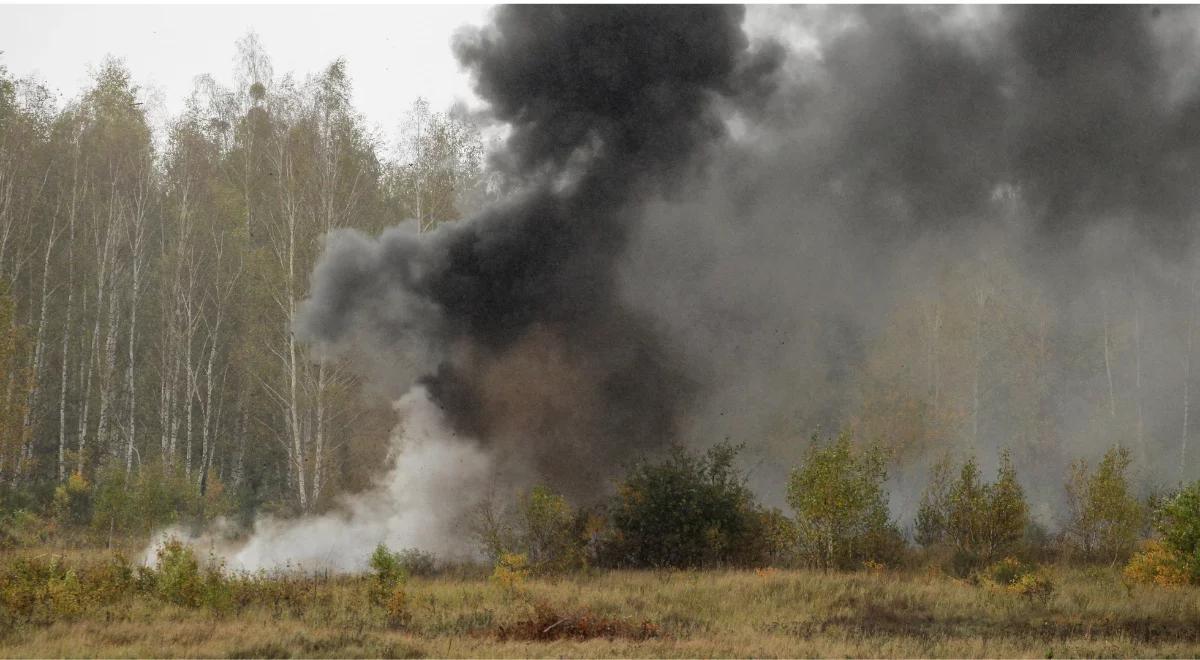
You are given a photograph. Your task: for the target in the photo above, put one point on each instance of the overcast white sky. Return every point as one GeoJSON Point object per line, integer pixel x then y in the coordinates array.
{"type": "Point", "coordinates": [395, 53]}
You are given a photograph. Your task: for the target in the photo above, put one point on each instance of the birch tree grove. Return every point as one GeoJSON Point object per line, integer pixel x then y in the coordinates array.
{"type": "Point", "coordinates": [149, 283]}
{"type": "Point", "coordinates": [152, 266]}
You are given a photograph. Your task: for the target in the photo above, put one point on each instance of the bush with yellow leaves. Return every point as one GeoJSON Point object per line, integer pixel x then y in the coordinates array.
{"type": "Point", "coordinates": [1157, 564]}
{"type": "Point", "coordinates": [511, 571]}
{"type": "Point", "coordinates": [1014, 576]}
{"type": "Point", "coordinates": [41, 590]}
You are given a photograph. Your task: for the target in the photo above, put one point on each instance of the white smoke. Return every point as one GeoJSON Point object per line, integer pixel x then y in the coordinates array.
{"type": "Point", "coordinates": [416, 504]}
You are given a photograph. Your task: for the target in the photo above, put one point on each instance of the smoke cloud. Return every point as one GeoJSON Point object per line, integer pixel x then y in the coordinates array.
{"type": "Point", "coordinates": [415, 503]}
{"type": "Point", "coordinates": [936, 196]}
{"type": "Point", "coordinates": [952, 230]}
{"type": "Point", "coordinates": [526, 343]}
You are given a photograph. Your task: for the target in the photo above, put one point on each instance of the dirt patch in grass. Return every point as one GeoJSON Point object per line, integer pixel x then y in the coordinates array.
{"type": "Point", "coordinates": [548, 625]}
{"type": "Point", "coordinates": [266, 650]}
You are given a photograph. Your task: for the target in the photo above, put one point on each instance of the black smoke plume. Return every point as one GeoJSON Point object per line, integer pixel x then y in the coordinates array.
{"type": "Point", "coordinates": [513, 316]}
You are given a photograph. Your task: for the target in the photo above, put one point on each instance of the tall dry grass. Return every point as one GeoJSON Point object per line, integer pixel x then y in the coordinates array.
{"type": "Point", "coordinates": [775, 613]}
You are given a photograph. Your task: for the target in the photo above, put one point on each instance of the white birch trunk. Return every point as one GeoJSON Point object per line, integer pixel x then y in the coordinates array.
{"type": "Point", "coordinates": [137, 238]}
{"type": "Point", "coordinates": [1112, 392]}
{"type": "Point", "coordinates": [1137, 371]}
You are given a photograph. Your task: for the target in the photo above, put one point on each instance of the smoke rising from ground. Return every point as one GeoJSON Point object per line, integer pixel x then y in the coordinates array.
{"type": "Point", "coordinates": [417, 502]}
{"type": "Point", "coordinates": [527, 344]}
{"type": "Point", "coordinates": [949, 229]}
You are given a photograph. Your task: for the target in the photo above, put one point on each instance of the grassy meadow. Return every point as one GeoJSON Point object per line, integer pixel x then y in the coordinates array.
{"type": "Point", "coordinates": [469, 613]}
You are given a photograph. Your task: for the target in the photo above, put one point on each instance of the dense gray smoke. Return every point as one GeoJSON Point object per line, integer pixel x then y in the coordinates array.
{"type": "Point", "coordinates": [918, 115]}
{"type": "Point", "coordinates": [948, 229]}
{"type": "Point", "coordinates": [524, 340]}
{"type": "Point", "coordinates": [952, 230]}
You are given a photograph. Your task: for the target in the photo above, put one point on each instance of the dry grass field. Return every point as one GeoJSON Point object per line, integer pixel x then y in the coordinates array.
{"type": "Point", "coordinates": [769, 613]}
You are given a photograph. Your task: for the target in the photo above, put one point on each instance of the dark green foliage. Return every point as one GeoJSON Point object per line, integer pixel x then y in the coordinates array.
{"type": "Point", "coordinates": [772, 540]}
{"type": "Point", "coordinates": [417, 562]}
{"type": "Point", "coordinates": [685, 510]}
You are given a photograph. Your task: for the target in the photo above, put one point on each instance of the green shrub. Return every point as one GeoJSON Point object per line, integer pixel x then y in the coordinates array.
{"type": "Point", "coordinates": [1021, 578]}
{"type": "Point", "coordinates": [774, 540]}
{"type": "Point", "coordinates": [388, 572]}
{"type": "Point", "coordinates": [65, 597]}
{"type": "Point", "coordinates": [1006, 571]}
{"type": "Point", "coordinates": [417, 562]}
{"type": "Point", "coordinates": [110, 580]}
{"type": "Point", "coordinates": [682, 511]}
{"type": "Point", "coordinates": [21, 528]}
{"type": "Point", "coordinates": [23, 587]}
{"type": "Point", "coordinates": [178, 578]}
{"type": "Point", "coordinates": [388, 566]}
{"type": "Point", "coordinates": [42, 590]}
{"type": "Point", "coordinates": [152, 499]}
{"type": "Point", "coordinates": [1036, 586]}
{"type": "Point", "coordinates": [1177, 521]}
{"type": "Point", "coordinates": [388, 586]}
{"type": "Point", "coordinates": [841, 509]}
{"type": "Point", "coordinates": [73, 502]}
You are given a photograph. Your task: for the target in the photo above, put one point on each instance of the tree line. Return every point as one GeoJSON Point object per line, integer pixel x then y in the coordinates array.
{"type": "Point", "coordinates": [150, 276]}
{"type": "Point", "coordinates": [694, 510]}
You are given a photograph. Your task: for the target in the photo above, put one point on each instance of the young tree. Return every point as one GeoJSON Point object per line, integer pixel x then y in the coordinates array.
{"type": "Point", "coordinates": [16, 381]}
{"type": "Point", "coordinates": [1105, 517]}
{"type": "Point", "coordinates": [440, 163]}
{"type": "Point", "coordinates": [1009, 511]}
{"type": "Point", "coordinates": [980, 521]}
{"type": "Point", "coordinates": [840, 506]}
{"type": "Point", "coordinates": [930, 524]}
{"type": "Point", "coordinates": [552, 539]}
